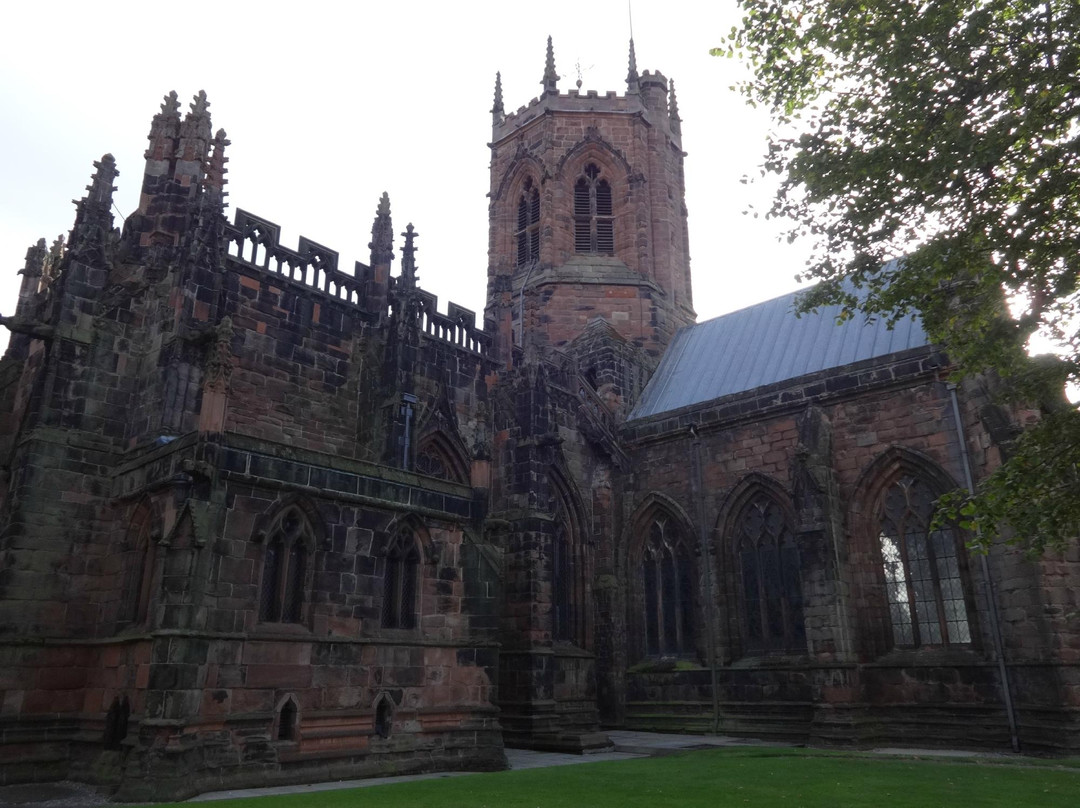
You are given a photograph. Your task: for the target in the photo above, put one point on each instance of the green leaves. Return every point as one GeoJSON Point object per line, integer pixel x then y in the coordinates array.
{"type": "Point", "coordinates": [946, 132]}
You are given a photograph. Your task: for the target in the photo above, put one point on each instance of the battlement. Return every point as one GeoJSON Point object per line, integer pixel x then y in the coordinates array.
{"type": "Point", "coordinates": [646, 95]}
{"type": "Point", "coordinates": [255, 243]}
{"type": "Point", "coordinates": [572, 101]}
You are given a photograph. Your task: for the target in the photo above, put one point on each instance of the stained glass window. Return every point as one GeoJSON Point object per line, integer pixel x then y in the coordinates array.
{"type": "Point", "coordinates": [923, 583]}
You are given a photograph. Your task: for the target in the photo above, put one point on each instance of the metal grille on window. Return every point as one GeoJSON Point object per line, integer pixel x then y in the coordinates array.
{"type": "Point", "coordinates": [594, 224]}
{"type": "Point", "coordinates": [771, 583]}
{"type": "Point", "coordinates": [281, 596]}
{"type": "Point", "coordinates": [923, 583]}
{"type": "Point", "coordinates": [667, 587]}
{"type": "Point", "coordinates": [528, 225]}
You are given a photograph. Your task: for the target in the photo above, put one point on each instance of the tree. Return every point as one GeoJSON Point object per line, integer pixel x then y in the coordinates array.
{"type": "Point", "coordinates": [947, 133]}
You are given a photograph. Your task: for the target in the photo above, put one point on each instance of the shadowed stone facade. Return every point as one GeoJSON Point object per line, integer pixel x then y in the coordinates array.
{"type": "Point", "coordinates": [265, 519]}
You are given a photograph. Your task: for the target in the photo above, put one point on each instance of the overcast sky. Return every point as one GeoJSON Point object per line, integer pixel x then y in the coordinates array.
{"type": "Point", "coordinates": [327, 106]}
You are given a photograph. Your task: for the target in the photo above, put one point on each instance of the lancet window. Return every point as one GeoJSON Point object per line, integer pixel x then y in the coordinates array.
{"type": "Point", "coordinates": [527, 232]}
{"type": "Point", "coordinates": [285, 562]}
{"type": "Point", "coordinates": [400, 582]}
{"type": "Point", "coordinates": [668, 589]}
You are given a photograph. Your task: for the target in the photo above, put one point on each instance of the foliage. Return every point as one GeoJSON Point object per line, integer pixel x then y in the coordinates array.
{"type": "Point", "coordinates": [746, 777]}
{"type": "Point", "coordinates": [946, 132]}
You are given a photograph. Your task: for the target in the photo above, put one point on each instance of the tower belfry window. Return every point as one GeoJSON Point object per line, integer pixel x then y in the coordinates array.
{"type": "Point", "coordinates": [594, 225]}
{"type": "Point", "coordinates": [528, 225]}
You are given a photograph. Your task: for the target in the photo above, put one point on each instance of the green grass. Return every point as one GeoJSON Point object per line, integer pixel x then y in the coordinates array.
{"type": "Point", "coordinates": [741, 778]}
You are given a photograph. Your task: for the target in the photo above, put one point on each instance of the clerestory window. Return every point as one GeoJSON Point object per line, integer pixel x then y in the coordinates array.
{"type": "Point", "coordinates": [528, 225]}
{"type": "Point", "coordinates": [594, 224]}
{"type": "Point", "coordinates": [923, 581]}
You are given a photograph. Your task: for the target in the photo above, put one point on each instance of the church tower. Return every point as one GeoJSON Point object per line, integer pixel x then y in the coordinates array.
{"type": "Point", "coordinates": [588, 216]}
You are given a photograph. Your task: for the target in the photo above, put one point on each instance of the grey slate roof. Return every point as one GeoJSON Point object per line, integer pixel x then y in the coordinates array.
{"type": "Point", "coordinates": [765, 344]}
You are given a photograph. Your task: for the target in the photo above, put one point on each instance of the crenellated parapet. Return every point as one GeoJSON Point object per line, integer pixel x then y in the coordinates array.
{"type": "Point", "coordinates": [254, 242]}
{"type": "Point", "coordinates": [646, 95]}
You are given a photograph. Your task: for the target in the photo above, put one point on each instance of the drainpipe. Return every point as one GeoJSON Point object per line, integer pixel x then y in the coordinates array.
{"type": "Point", "coordinates": [988, 590]}
{"type": "Point", "coordinates": [696, 489]}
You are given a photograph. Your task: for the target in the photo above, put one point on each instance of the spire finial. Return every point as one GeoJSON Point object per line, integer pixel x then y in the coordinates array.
{"type": "Point", "coordinates": [382, 234]}
{"type": "Point", "coordinates": [551, 78]}
{"type": "Point", "coordinates": [673, 109]}
{"type": "Point", "coordinates": [497, 110]}
{"type": "Point", "coordinates": [93, 213]}
{"type": "Point", "coordinates": [632, 85]}
{"type": "Point", "coordinates": [408, 258]}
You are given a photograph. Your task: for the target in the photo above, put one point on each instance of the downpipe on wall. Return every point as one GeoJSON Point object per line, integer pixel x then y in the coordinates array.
{"type": "Point", "coordinates": [696, 488]}
{"type": "Point", "coordinates": [988, 589]}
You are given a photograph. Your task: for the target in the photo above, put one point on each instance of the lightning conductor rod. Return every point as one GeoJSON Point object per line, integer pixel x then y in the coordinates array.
{"type": "Point", "coordinates": [630, 14]}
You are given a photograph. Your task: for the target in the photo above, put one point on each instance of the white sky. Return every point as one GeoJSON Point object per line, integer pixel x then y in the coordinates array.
{"type": "Point", "coordinates": [329, 104]}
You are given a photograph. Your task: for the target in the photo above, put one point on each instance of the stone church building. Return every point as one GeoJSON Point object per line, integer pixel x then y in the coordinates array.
{"type": "Point", "coordinates": [269, 518]}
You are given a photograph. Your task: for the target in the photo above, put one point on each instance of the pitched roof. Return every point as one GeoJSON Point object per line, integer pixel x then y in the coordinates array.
{"type": "Point", "coordinates": [765, 344]}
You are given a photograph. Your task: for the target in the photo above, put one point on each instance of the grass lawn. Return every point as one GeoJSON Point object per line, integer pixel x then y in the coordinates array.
{"type": "Point", "coordinates": [743, 778]}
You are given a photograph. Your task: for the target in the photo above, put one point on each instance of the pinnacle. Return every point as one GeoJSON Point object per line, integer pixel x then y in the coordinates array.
{"type": "Point", "coordinates": [551, 78]}
{"type": "Point", "coordinates": [497, 109]}
{"type": "Point", "coordinates": [171, 104]}
{"type": "Point", "coordinates": [632, 85]}
{"type": "Point", "coordinates": [199, 105]}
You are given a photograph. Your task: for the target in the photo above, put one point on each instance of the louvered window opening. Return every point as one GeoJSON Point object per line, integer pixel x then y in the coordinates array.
{"type": "Point", "coordinates": [667, 584]}
{"type": "Point", "coordinates": [923, 581]}
{"type": "Point", "coordinates": [594, 224]}
{"type": "Point", "coordinates": [399, 584]}
{"type": "Point", "coordinates": [527, 232]}
{"type": "Point", "coordinates": [281, 599]}
{"type": "Point", "coordinates": [771, 583]}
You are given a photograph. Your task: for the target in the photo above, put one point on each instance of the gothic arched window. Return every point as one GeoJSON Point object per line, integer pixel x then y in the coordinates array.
{"type": "Point", "coordinates": [527, 233]}
{"type": "Point", "coordinates": [770, 585]}
{"type": "Point", "coordinates": [561, 575]}
{"type": "Point", "coordinates": [594, 224]}
{"type": "Point", "coordinates": [400, 581]}
{"type": "Point", "coordinates": [285, 561]}
{"type": "Point", "coordinates": [668, 589]}
{"type": "Point", "coordinates": [923, 581]}
{"type": "Point", "coordinates": [138, 570]}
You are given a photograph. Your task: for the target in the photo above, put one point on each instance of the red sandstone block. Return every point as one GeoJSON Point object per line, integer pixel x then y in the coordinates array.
{"type": "Point", "coordinates": [278, 676]}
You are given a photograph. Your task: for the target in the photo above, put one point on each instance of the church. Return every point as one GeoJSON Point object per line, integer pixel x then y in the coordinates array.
{"type": "Point", "coordinates": [270, 518]}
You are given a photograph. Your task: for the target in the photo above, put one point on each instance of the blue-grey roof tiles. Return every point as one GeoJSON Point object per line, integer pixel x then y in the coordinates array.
{"type": "Point", "coordinates": [765, 344]}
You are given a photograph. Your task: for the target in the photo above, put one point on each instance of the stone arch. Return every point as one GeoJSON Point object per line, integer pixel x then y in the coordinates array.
{"type": "Point", "coordinates": [289, 531]}
{"type": "Point", "coordinates": [571, 561]}
{"type": "Point", "coordinates": [664, 576]}
{"type": "Point", "coordinates": [384, 708]}
{"type": "Point", "coordinates": [286, 719]}
{"type": "Point", "coordinates": [761, 567]}
{"type": "Point", "coordinates": [913, 584]}
{"type": "Point", "coordinates": [442, 455]}
{"type": "Point", "coordinates": [406, 546]}
{"type": "Point", "coordinates": [595, 148]}
{"type": "Point", "coordinates": [139, 552]}
{"type": "Point", "coordinates": [525, 165]}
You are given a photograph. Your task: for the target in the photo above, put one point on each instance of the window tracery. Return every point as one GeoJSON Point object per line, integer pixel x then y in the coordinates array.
{"type": "Point", "coordinates": [770, 583]}
{"type": "Point", "coordinates": [923, 577]}
{"type": "Point", "coordinates": [285, 560]}
{"type": "Point", "coordinates": [667, 586]}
